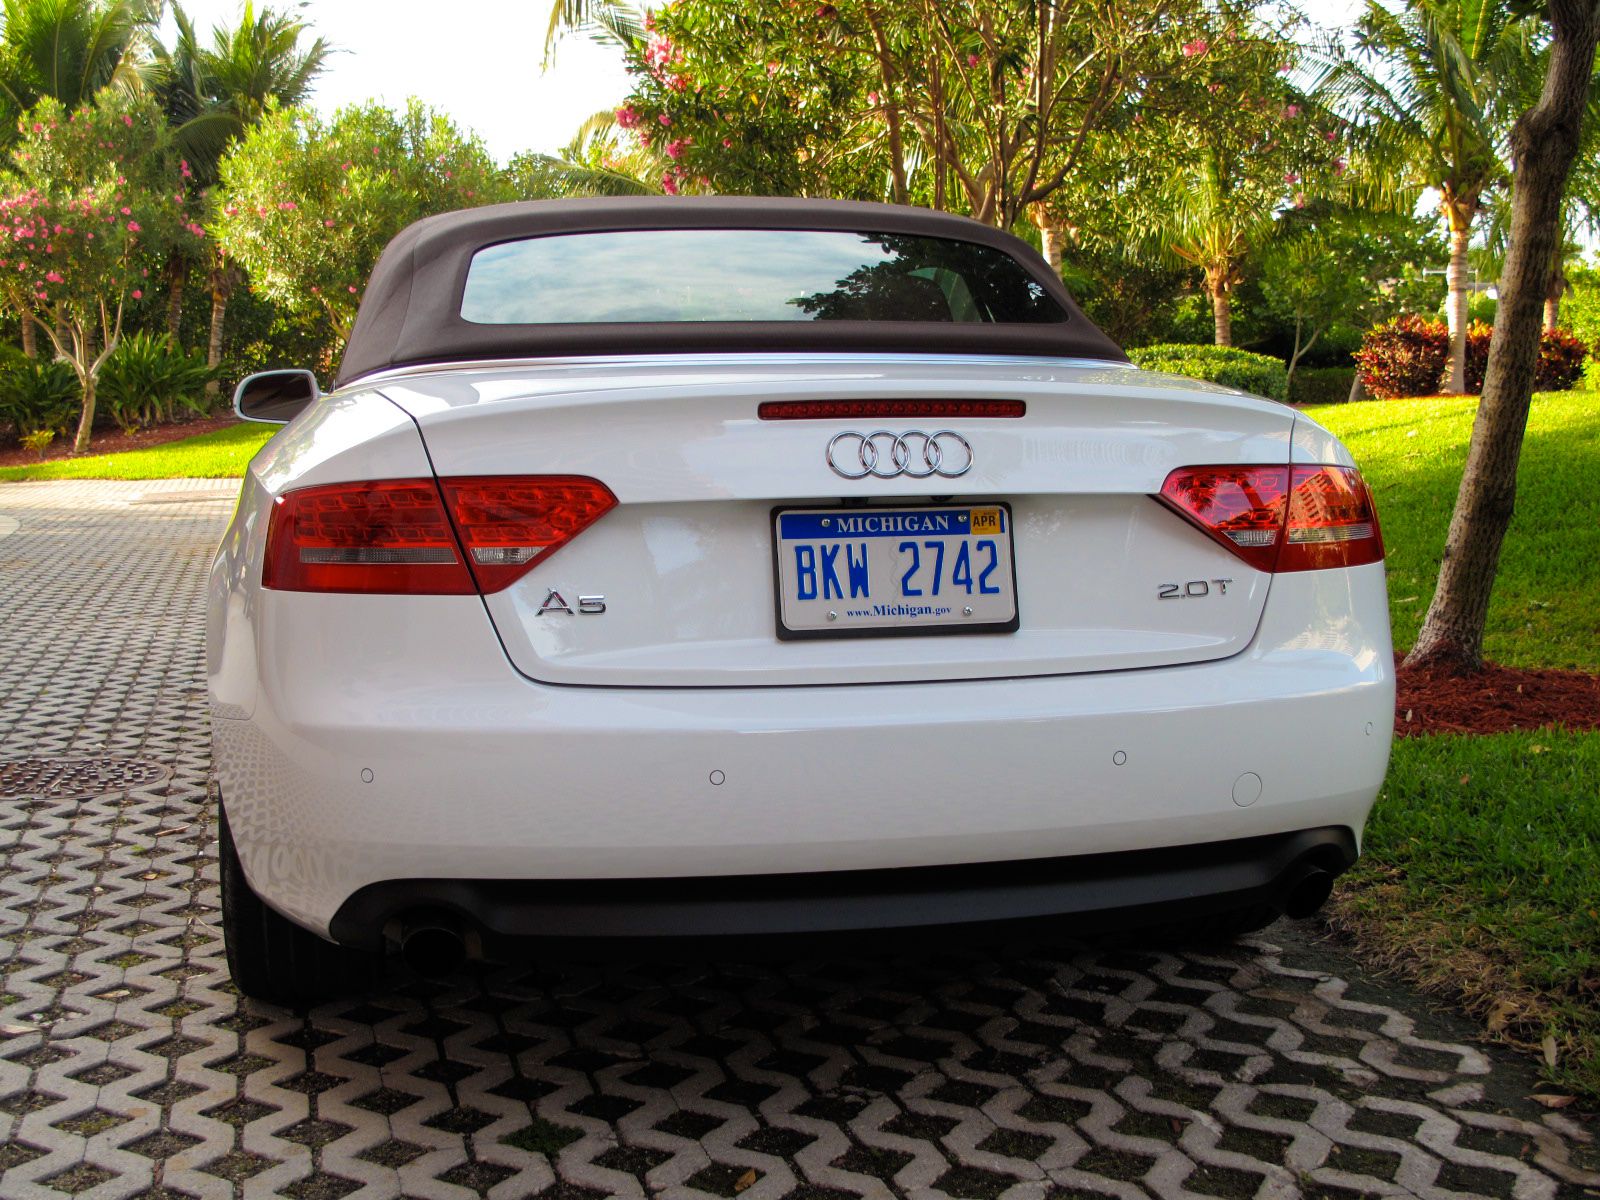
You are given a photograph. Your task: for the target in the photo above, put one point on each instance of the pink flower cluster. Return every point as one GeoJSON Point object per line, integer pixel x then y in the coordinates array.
{"type": "Point", "coordinates": [1195, 48]}
{"type": "Point", "coordinates": [659, 54]}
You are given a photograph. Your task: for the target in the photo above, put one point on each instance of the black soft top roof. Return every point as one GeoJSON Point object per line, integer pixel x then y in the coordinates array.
{"type": "Point", "coordinates": [411, 312]}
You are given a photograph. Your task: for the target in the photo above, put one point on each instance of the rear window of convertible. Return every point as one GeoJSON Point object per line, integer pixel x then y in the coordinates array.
{"type": "Point", "coordinates": [685, 275]}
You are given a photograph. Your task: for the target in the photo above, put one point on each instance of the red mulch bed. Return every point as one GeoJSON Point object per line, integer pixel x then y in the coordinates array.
{"type": "Point", "coordinates": [1494, 700]}
{"type": "Point", "coordinates": [114, 441]}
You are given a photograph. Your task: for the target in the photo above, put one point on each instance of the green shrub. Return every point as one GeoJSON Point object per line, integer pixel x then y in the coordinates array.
{"type": "Point", "coordinates": [1561, 358]}
{"type": "Point", "coordinates": [1591, 374]}
{"type": "Point", "coordinates": [1404, 357]}
{"type": "Point", "coordinates": [1408, 355]}
{"type": "Point", "coordinates": [37, 393]}
{"type": "Point", "coordinates": [148, 378]}
{"type": "Point", "coordinates": [1322, 385]}
{"type": "Point", "coordinates": [1479, 335]}
{"type": "Point", "coordinates": [1580, 310]}
{"type": "Point", "coordinates": [1561, 362]}
{"type": "Point", "coordinates": [1258, 373]}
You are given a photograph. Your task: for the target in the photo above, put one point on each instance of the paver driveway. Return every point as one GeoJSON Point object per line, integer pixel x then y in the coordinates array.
{"type": "Point", "coordinates": [129, 1067]}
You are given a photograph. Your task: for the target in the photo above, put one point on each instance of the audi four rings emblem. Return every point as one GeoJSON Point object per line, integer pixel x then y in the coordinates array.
{"type": "Point", "coordinates": [914, 454]}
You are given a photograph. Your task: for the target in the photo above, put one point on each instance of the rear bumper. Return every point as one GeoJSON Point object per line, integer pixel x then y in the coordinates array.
{"type": "Point", "coordinates": [1081, 894]}
{"type": "Point", "coordinates": [389, 739]}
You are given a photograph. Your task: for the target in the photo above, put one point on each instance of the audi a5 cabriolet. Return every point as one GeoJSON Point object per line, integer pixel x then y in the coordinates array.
{"type": "Point", "coordinates": [750, 567]}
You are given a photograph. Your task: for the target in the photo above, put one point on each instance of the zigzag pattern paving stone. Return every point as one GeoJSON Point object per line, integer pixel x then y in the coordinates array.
{"type": "Point", "coordinates": [129, 1068]}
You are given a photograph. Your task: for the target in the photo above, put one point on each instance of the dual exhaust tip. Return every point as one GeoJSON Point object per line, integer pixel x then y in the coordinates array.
{"type": "Point", "coordinates": [433, 947]}
{"type": "Point", "coordinates": [1310, 891]}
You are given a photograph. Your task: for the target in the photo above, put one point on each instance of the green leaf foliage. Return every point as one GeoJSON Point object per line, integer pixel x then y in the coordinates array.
{"type": "Point", "coordinates": [148, 379]}
{"type": "Point", "coordinates": [1257, 373]}
{"type": "Point", "coordinates": [307, 205]}
{"type": "Point", "coordinates": [212, 93]}
{"type": "Point", "coordinates": [67, 51]}
{"type": "Point", "coordinates": [36, 394]}
{"type": "Point", "coordinates": [94, 207]}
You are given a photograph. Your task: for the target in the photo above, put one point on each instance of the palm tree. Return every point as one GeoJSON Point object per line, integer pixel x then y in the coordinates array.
{"type": "Point", "coordinates": [1435, 89]}
{"type": "Point", "coordinates": [612, 22]}
{"type": "Point", "coordinates": [69, 50]}
{"type": "Point", "coordinates": [1214, 216]}
{"type": "Point", "coordinates": [596, 162]}
{"type": "Point", "coordinates": [212, 96]}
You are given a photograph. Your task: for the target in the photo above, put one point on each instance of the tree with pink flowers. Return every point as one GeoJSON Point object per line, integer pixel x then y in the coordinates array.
{"type": "Point", "coordinates": [986, 107]}
{"type": "Point", "coordinates": [94, 203]}
{"type": "Point", "coordinates": [307, 205]}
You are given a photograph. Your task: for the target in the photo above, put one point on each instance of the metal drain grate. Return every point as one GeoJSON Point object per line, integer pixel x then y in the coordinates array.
{"type": "Point", "coordinates": [64, 778]}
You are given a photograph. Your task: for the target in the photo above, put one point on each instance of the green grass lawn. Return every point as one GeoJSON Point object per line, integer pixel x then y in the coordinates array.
{"type": "Point", "coordinates": [1478, 875]}
{"type": "Point", "coordinates": [1478, 882]}
{"type": "Point", "coordinates": [220, 454]}
{"type": "Point", "coordinates": [1544, 612]}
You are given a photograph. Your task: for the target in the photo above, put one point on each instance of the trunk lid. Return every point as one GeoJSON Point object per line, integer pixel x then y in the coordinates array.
{"type": "Point", "coordinates": [1106, 578]}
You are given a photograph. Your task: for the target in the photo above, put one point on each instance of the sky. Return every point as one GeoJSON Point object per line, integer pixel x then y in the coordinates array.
{"type": "Point", "coordinates": [479, 61]}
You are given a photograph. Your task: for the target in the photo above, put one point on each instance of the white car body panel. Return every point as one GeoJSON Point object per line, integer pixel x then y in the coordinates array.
{"type": "Point", "coordinates": [365, 738]}
{"type": "Point", "coordinates": [479, 773]}
{"type": "Point", "coordinates": [685, 563]}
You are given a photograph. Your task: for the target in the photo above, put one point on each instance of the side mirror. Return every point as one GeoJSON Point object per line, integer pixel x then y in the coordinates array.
{"type": "Point", "coordinates": [274, 397]}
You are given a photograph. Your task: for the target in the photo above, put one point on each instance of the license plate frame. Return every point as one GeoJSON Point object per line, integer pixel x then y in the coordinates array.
{"type": "Point", "coordinates": [953, 626]}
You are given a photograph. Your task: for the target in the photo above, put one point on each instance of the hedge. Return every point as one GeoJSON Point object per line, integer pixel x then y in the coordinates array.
{"type": "Point", "coordinates": [1258, 373]}
{"type": "Point", "coordinates": [1322, 385]}
{"type": "Point", "coordinates": [1408, 356]}
{"type": "Point", "coordinates": [1404, 357]}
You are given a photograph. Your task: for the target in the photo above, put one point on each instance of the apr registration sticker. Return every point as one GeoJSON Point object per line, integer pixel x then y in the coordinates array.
{"type": "Point", "coordinates": [882, 571]}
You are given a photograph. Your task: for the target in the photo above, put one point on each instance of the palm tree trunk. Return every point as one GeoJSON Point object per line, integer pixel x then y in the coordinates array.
{"type": "Point", "coordinates": [1544, 143]}
{"type": "Point", "coordinates": [30, 339]}
{"type": "Point", "coordinates": [1556, 290]}
{"type": "Point", "coordinates": [1457, 276]}
{"type": "Point", "coordinates": [1222, 318]}
{"type": "Point", "coordinates": [1218, 288]}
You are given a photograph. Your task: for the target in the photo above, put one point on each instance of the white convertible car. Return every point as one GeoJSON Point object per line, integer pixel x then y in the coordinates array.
{"type": "Point", "coordinates": [747, 567]}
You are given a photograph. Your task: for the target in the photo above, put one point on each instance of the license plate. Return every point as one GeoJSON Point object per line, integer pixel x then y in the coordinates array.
{"type": "Point", "coordinates": [881, 571]}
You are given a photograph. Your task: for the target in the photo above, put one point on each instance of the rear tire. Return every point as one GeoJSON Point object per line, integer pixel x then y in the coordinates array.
{"type": "Point", "coordinates": [269, 956]}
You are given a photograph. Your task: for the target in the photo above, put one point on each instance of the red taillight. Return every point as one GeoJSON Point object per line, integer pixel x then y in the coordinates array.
{"type": "Point", "coordinates": [508, 524]}
{"type": "Point", "coordinates": [1301, 518]}
{"type": "Point", "coordinates": [397, 535]}
{"type": "Point", "coordinates": [873, 410]}
{"type": "Point", "coordinates": [386, 535]}
{"type": "Point", "coordinates": [1332, 521]}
